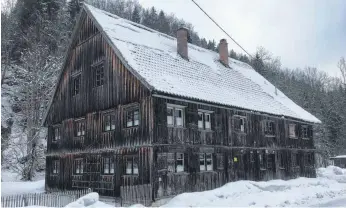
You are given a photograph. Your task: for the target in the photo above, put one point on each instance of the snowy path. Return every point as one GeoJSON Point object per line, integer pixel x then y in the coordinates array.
{"type": "Point", "coordinates": [333, 203]}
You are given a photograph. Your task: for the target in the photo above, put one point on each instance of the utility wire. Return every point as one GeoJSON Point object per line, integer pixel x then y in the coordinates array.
{"type": "Point", "coordinates": [220, 27]}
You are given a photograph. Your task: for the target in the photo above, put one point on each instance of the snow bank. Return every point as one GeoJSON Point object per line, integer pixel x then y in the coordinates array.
{"type": "Point", "coordinates": [329, 185]}
{"type": "Point", "coordinates": [90, 200]}
{"type": "Point", "coordinates": [333, 173]}
{"type": "Point", "coordinates": [25, 187]}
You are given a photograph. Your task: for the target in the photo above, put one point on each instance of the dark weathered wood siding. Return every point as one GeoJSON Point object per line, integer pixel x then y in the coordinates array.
{"type": "Point", "coordinates": [239, 151]}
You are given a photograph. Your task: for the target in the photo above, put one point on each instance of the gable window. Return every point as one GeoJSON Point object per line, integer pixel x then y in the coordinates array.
{"type": "Point", "coordinates": [108, 122]}
{"type": "Point", "coordinates": [175, 116]}
{"type": "Point", "coordinates": [108, 165]}
{"type": "Point", "coordinates": [78, 166]}
{"type": "Point", "coordinates": [131, 165]}
{"type": "Point", "coordinates": [204, 121]}
{"type": "Point", "coordinates": [239, 123]}
{"type": "Point", "coordinates": [205, 161]}
{"type": "Point", "coordinates": [79, 128]}
{"type": "Point", "coordinates": [76, 85]}
{"type": "Point", "coordinates": [132, 118]}
{"type": "Point", "coordinates": [305, 132]}
{"type": "Point", "coordinates": [98, 71]}
{"type": "Point", "coordinates": [55, 167]}
{"type": "Point", "coordinates": [57, 134]}
{"type": "Point", "coordinates": [269, 128]}
{"type": "Point", "coordinates": [292, 131]}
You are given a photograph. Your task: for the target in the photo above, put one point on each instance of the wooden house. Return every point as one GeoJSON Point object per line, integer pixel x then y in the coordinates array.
{"type": "Point", "coordinates": [339, 161]}
{"type": "Point", "coordinates": [137, 108]}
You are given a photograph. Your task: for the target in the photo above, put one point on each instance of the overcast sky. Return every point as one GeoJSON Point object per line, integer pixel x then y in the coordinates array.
{"type": "Point", "coordinates": [300, 32]}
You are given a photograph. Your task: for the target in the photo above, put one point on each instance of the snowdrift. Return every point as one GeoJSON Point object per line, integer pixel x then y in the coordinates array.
{"type": "Point", "coordinates": [329, 185]}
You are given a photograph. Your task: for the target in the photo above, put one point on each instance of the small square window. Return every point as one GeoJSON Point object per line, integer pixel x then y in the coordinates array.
{"type": "Point", "coordinates": [108, 165]}
{"type": "Point", "coordinates": [204, 121]}
{"type": "Point", "coordinates": [175, 116]}
{"type": "Point", "coordinates": [108, 122]}
{"type": "Point", "coordinates": [239, 123]}
{"type": "Point", "coordinates": [131, 165]}
{"type": "Point", "coordinates": [132, 117]}
{"type": "Point", "coordinates": [79, 128]}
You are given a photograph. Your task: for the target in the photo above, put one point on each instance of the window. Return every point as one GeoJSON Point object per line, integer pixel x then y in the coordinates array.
{"type": "Point", "coordinates": [57, 134]}
{"type": "Point", "coordinates": [78, 166]}
{"type": "Point", "coordinates": [56, 167]}
{"type": "Point", "coordinates": [179, 162]}
{"type": "Point", "coordinates": [205, 161]}
{"type": "Point", "coordinates": [175, 116]}
{"type": "Point", "coordinates": [108, 122]}
{"type": "Point", "coordinates": [79, 128]}
{"type": "Point", "coordinates": [269, 128]}
{"type": "Point", "coordinates": [132, 118]}
{"type": "Point", "coordinates": [204, 120]}
{"type": "Point", "coordinates": [131, 165]}
{"type": "Point", "coordinates": [292, 131]}
{"type": "Point", "coordinates": [175, 162]}
{"type": "Point", "coordinates": [98, 71]}
{"type": "Point", "coordinates": [108, 165]}
{"type": "Point", "coordinates": [305, 132]}
{"type": "Point", "coordinates": [239, 123]}
{"type": "Point", "coordinates": [76, 85]}
{"type": "Point", "coordinates": [220, 160]}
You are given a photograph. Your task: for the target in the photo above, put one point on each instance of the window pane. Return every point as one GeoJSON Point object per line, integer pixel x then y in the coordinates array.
{"type": "Point", "coordinates": [112, 167]}
{"type": "Point", "coordinates": [107, 122]}
{"type": "Point", "coordinates": [178, 113]}
{"type": "Point", "coordinates": [180, 162]}
{"type": "Point", "coordinates": [129, 119]}
{"type": "Point", "coordinates": [129, 166]}
{"type": "Point", "coordinates": [106, 168]}
{"type": "Point", "coordinates": [81, 167]}
{"type": "Point", "coordinates": [242, 125]}
{"type": "Point", "coordinates": [179, 121]}
{"type": "Point", "coordinates": [135, 167]}
{"type": "Point", "coordinates": [136, 117]}
{"type": "Point", "coordinates": [292, 130]}
{"type": "Point", "coordinates": [200, 120]}
{"type": "Point", "coordinates": [169, 116]}
{"type": "Point", "coordinates": [178, 117]}
{"type": "Point", "coordinates": [170, 162]}
{"type": "Point", "coordinates": [112, 122]}
{"type": "Point", "coordinates": [82, 128]}
{"type": "Point", "coordinates": [207, 125]}
{"type": "Point", "coordinates": [202, 162]}
{"type": "Point", "coordinates": [207, 120]}
{"type": "Point", "coordinates": [209, 161]}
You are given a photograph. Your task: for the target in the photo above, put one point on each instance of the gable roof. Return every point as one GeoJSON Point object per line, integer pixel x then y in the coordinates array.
{"type": "Point", "coordinates": [153, 57]}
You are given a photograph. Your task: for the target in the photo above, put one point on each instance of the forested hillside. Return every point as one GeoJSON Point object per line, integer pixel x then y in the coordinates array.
{"type": "Point", "coordinates": [35, 36]}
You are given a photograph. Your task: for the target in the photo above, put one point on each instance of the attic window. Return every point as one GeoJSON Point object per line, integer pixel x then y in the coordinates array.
{"type": "Point", "coordinates": [76, 85]}
{"type": "Point", "coordinates": [98, 71]}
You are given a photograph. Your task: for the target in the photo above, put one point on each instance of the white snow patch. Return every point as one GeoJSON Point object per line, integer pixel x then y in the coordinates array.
{"type": "Point", "coordinates": [334, 173]}
{"type": "Point", "coordinates": [13, 188]}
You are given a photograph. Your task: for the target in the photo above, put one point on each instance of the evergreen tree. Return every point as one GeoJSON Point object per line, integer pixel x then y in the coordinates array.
{"type": "Point", "coordinates": [163, 24]}
{"type": "Point", "coordinates": [135, 15]}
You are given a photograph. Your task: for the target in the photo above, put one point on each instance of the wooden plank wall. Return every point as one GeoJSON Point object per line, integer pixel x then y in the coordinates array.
{"type": "Point", "coordinates": [223, 139]}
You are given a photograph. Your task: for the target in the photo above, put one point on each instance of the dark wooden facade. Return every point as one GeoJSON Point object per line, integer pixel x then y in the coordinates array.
{"type": "Point", "coordinates": [90, 143]}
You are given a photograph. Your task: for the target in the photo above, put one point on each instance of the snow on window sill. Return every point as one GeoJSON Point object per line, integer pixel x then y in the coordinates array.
{"type": "Point", "coordinates": [263, 169]}
{"type": "Point", "coordinates": [269, 136]}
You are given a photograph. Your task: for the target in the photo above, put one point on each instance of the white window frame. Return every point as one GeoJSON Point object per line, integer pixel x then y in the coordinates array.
{"type": "Point", "coordinates": [174, 117]}
{"type": "Point", "coordinates": [205, 159]}
{"type": "Point", "coordinates": [108, 166]}
{"type": "Point", "coordinates": [78, 166]}
{"type": "Point", "coordinates": [176, 162]}
{"type": "Point", "coordinates": [292, 131]}
{"type": "Point", "coordinates": [204, 124]}
{"type": "Point", "coordinates": [133, 160]}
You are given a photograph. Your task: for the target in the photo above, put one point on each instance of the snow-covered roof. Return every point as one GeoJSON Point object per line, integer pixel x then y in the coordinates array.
{"type": "Point", "coordinates": [339, 156]}
{"type": "Point", "coordinates": [153, 57]}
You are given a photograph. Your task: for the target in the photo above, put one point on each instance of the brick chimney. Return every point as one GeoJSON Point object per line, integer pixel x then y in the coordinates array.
{"type": "Point", "coordinates": [223, 51]}
{"type": "Point", "coordinates": [182, 35]}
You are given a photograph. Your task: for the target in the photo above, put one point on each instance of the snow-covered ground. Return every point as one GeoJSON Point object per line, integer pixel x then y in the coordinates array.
{"type": "Point", "coordinates": [327, 190]}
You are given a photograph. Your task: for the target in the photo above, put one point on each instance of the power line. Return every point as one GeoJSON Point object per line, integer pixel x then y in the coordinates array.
{"type": "Point", "coordinates": [220, 27]}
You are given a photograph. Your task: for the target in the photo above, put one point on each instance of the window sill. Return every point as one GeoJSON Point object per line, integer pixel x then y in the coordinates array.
{"type": "Point", "coordinates": [293, 137]}
{"type": "Point", "coordinates": [178, 173]}
{"type": "Point", "coordinates": [304, 138]}
{"type": "Point", "coordinates": [131, 127]}
{"type": "Point", "coordinates": [269, 136]}
{"type": "Point", "coordinates": [130, 175]}
{"type": "Point", "coordinates": [207, 171]}
{"type": "Point", "coordinates": [205, 130]}
{"type": "Point", "coordinates": [240, 132]}
{"type": "Point", "coordinates": [104, 174]}
{"type": "Point", "coordinates": [282, 168]}
{"type": "Point", "coordinates": [176, 127]}
{"type": "Point", "coordinates": [109, 131]}
{"type": "Point", "coordinates": [263, 169]}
